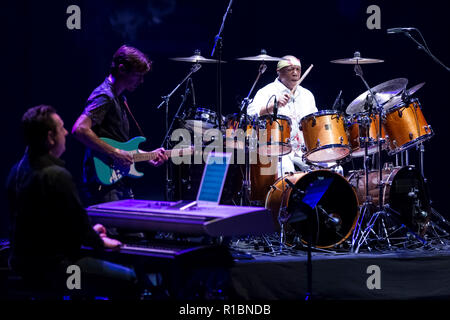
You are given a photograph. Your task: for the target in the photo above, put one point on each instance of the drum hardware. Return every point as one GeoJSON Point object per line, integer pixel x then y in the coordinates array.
{"type": "Point", "coordinates": [169, 181]}
{"type": "Point", "coordinates": [371, 102]}
{"type": "Point", "coordinates": [246, 184]}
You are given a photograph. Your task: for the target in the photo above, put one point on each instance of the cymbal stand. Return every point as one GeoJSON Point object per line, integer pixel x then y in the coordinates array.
{"type": "Point", "coordinates": [381, 213]}
{"type": "Point", "coordinates": [365, 208]}
{"type": "Point", "coordinates": [246, 184]}
{"type": "Point", "coordinates": [165, 143]}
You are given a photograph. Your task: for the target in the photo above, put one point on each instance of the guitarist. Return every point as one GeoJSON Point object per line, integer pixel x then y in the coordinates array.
{"type": "Point", "coordinates": [106, 115]}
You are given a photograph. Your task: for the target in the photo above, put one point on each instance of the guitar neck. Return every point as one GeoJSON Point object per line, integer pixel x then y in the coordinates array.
{"type": "Point", "coordinates": [148, 156]}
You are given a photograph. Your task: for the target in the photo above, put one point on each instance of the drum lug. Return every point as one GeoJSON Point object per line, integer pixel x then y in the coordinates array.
{"type": "Point", "coordinates": [341, 139]}
{"type": "Point", "coordinates": [303, 148]}
{"type": "Point", "coordinates": [411, 136]}
{"type": "Point", "coordinates": [313, 122]}
{"type": "Point", "coordinates": [318, 143]}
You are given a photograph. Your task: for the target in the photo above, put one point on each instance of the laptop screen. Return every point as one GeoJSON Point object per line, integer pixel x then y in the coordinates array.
{"type": "Point", "coordinates": [213, 179]}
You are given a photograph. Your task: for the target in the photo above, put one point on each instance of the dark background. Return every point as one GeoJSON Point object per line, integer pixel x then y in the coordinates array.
{"type": "Point", "coordinates": [45, 63]}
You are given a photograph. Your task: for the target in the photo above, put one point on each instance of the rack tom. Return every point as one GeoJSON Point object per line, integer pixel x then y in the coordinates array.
{"type": "Point", "coordinates": [362, 128]}
{"type": "Point", "coordinates": [406, 126]}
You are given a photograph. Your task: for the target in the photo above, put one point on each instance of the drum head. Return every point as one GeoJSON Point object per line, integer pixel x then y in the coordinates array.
{"type": "Point", "coordinates": [335, 221]}
{"type": "Point", "coordinates": [408, 198]}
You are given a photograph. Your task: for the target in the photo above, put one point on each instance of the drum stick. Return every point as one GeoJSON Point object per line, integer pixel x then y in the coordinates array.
{"type": "Point", "coordinates": [302, 78]}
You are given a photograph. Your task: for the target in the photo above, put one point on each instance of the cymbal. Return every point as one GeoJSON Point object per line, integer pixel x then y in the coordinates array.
{"type": "Point", "coordinates": [261, 57]}
{"type": "Point", "coordinates": [398, 98]}
{"type": "Point", "coordinates": [382, 92]}
{"type": "Point", "coordinates": [356, 60]}
{"type": "Point", "coordinates": [196, 58]}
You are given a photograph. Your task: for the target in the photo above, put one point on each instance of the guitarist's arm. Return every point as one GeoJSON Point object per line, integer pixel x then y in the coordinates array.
{"type": "Point", "coordinates": [82, 130]}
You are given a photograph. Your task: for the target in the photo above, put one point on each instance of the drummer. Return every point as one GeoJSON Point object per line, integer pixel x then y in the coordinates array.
{"type": "Point", "coordinates": [293, 101]}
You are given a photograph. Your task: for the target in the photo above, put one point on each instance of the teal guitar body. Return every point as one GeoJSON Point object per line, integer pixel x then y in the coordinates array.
{"type": "Point", "coordinates": [109, 174]}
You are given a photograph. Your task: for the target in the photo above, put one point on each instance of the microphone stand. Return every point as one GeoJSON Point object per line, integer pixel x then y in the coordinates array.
{"type": "Point", "coordinates": [425, 48]}
{"type": "Point", "coordinates": [169, 183]}
{"type": "Point", "coordinates": [218, 43]}
{"type": "Point", "coordinates": [246, 184]}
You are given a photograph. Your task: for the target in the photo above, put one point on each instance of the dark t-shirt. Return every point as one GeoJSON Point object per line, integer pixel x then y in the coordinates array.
{"type": "Point", "coordinates": [109, 120]}
{"type": "Point", "coordinates": [49, 224]}
{"type": "Point", "coordinates": [108, 113]}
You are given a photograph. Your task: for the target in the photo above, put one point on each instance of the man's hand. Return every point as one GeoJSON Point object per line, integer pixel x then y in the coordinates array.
{"type": "Point", "coordinates": [111, 243]}
{"type": "Point", "coordinates": [283, 100]}
{"type": "Point", "coordinates": [161, 157]}
{"type": "Point", "coordinates": [100, 229]}
{"type": "Point", "coordinates": [122, 159]}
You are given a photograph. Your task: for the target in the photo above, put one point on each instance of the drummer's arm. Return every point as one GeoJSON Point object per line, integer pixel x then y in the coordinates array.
{"type": "Point", "coordinates": [281, 102]}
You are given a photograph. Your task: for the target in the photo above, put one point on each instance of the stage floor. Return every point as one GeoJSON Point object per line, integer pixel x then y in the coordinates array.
{"type": "Point", "coordinates": [401, 274]}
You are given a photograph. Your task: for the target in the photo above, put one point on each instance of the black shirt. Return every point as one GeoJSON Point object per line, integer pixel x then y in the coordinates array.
{"type": "Point", "coordinates": [49, 224]}
{"type": "Point", "coordinates": [109, 120]}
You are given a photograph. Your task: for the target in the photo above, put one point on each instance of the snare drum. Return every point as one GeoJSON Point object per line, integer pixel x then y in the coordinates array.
{"type": "Point", "coordinates": [274, 136]}
{"type": "Point", "coordinates": [325, 136]}
{"type": "Point", "coordinates": [357, 125]}
{"type": "Point", "coordinates": [200, 119]}
{"type": "Point", "coordinates": [337, 218]}
{"type": "Point", "coordinates": [406, 126]}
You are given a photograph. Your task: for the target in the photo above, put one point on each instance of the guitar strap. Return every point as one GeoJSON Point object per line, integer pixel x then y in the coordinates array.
{"type": "Point", "coordinates": [132, 116]}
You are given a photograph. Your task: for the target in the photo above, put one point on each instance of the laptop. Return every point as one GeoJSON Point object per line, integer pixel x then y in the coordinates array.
{"type": "Point", "coordinates": [211, 185]}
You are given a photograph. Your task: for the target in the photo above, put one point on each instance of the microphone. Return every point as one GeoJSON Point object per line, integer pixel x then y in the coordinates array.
{"type": "Point", "coordinates": [293, 186]}
{"type": "Point", "coordinates": [330, 218]}
{"type": "Point", "coordinates": [337, 100]}
{"type": "Point", "coordinates": [399, 30]}
{"type": "Point", "coordinates": [275, 109]}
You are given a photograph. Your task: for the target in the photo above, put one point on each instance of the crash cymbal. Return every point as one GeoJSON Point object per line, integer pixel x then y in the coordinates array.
{"type": "Point", "coordinates": [196, 58]}
{"type": "Point", "coordinates": [395, 100]}
{"type": "Point", "coordinates": [356, 60]}
{"type": "Point", "coordinates": [383, 93]}
{"type": "Point", "coordinates": [262, 57]}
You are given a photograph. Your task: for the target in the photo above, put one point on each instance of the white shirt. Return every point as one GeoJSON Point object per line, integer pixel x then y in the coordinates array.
{"type": "Point", "coordinates": [300, 105]}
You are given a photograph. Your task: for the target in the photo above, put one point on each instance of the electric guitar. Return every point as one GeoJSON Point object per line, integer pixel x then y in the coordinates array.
{"type": "Point", "coordinates": [108, 174]}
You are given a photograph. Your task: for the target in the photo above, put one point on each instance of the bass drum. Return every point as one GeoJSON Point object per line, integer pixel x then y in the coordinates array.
{"type": "Point", "coordinates": [338, 214]}
{"type": "Point", "coordinates": [404, 191]}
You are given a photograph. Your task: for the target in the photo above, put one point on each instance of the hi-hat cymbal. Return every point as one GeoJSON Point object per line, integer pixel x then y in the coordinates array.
{"type": "Point", "coordinates": [382, 92]}
{"type": "Point", "coordinates": [261, 57]}
{"type": "Point", "coordinates": [398, 98]}
{"type": "Point", "coordinates": [356, 60]}
{"type": "Point", "coordinates": [196, 58]}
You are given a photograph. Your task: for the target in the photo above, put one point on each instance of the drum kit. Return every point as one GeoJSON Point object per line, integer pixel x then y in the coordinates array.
{"type": "Point", "coordinates": [372, 208]}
